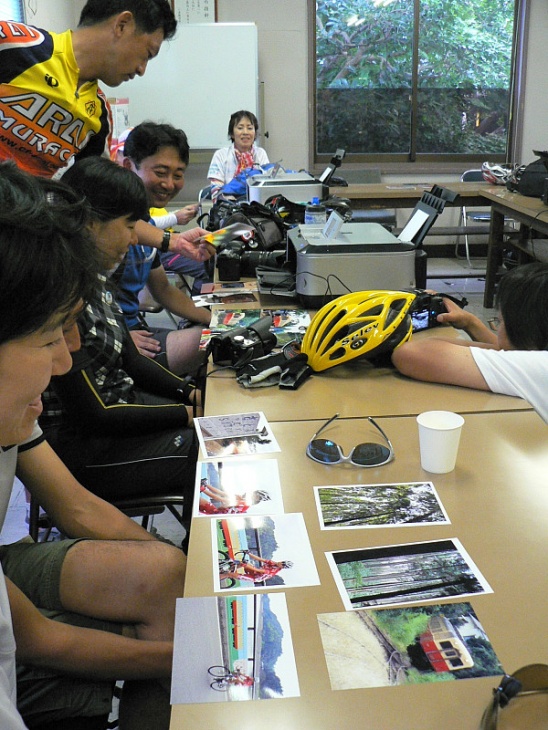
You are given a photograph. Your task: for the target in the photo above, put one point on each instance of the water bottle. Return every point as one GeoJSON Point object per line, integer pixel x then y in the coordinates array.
{"type": "Point", "coordinates": [315, 213]}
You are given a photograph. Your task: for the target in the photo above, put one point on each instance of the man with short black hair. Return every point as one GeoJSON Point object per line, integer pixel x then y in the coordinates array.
{"type": "Point", "coordinates": [51, 108]}
{"type": "Point", "coordinates": [159, 154]}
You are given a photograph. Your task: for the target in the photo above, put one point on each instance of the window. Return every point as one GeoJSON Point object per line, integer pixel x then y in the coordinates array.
{"type": "Point", "coordinates": [12, 10]}
{"type": "Point", "coordinates": [404, 80]}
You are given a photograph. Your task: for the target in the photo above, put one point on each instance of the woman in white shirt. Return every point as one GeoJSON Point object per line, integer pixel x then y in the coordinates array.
{"type": "Point", "coordinates": [240, 155]}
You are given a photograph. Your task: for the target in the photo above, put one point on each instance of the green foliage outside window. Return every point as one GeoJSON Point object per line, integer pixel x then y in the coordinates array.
{"type": "Point", "coordinates": [365, 60]}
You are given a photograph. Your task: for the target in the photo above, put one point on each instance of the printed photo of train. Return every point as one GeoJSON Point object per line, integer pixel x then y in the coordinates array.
{"type": "Point", "coordinates": [411, 645]}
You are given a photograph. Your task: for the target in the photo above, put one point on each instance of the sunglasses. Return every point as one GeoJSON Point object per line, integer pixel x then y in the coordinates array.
{"type": "Point", "coordinates": [326, 451]}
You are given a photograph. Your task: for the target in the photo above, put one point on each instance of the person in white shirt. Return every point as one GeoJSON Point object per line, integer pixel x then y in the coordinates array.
{"type": "Point", "coordinates": [240, 155]}
{"type": "Point", "coordinates": [511, 358]}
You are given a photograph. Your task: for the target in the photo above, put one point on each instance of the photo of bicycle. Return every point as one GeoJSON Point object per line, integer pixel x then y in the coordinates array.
{"type": "Point", "coordinates": [261, 552]}
{"type": "Point", "coordinates": [233, 648]}
{"type": "Point", "coordinates": [249, 567]}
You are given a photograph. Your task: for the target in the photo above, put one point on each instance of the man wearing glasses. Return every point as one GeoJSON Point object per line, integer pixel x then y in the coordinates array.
{"type": "Point", "coordinates": [509, 357]}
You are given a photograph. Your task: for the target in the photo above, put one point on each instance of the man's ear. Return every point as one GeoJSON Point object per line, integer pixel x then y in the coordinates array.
{"type": "Point", "coordinates": [123, 22]}
{"type": "Point", "coordinates": [128, 163]}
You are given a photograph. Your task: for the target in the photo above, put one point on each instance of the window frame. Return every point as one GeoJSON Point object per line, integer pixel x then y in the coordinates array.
{"type": "Point", "coordinates": [390, 162]}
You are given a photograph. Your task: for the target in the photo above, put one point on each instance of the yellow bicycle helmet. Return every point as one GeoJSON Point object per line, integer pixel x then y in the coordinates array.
{"type": "Point", "coordinates": [360, 324]}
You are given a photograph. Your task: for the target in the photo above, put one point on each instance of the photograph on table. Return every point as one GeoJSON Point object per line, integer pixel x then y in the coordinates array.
{"type": "Point", "coordinates": [355, 506]}
{"type": "Point", "coordinates": [413, 645]}
{"type": "Point", "coordinates": [233, 648]}
{"type": "Point", "coordinates": [229, 297]}
{"type": "Point", "coordinates": [287, 324]}
{"type": "Point", "coordinates": [261, 552]}
{"type": "Point", "coordinates": [225, 287]}
{"type": "Point", "coordinates": [223, 320]}
{"type": "Point", "coordinates": [249, 486]}
{"type": "Point", "coordinates": [235, 434]}
{"type": "Point", "coordinates": [394, 575]}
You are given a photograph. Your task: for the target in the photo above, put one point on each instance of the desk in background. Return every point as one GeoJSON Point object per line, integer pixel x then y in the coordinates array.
{"type": "Point", "coordinates": [530, 212]}
{"type": "Point", "coordinates": [497, 502]}
{"type": "Point", "coordinates": [407, 195]}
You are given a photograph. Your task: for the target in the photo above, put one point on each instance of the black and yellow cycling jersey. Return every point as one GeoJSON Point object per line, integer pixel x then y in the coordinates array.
{"type": "Point", "coordinates": [46, 117]}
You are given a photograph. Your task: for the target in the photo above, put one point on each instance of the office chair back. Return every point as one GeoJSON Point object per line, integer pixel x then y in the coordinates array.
{"type": "Point", "coordinates": [472, 176]}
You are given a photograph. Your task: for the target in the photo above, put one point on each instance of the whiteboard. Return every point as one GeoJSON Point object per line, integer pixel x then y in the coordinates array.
{"type": "Point", "coordinates": [207, 72]}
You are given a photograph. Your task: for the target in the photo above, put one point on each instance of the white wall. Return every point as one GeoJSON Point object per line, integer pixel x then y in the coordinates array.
{"type": "Point", "coordinates": [283, 59]}
{"type": "Point", "coordinates": [535, 107]}
{"type": "Point", "coordinates": [55, 15]}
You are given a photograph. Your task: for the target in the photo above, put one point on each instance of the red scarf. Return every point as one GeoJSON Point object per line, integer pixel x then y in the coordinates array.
{"type": "Point", "coordinates": [245, 160]}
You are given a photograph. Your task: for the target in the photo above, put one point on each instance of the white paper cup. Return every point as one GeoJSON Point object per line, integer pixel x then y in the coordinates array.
{"type": "Point", "coordinates": [439, 436]}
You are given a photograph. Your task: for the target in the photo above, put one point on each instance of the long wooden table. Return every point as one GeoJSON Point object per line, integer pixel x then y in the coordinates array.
{"type": "Point", "coordinates": [353, 390]}
{"type": "Point", "coordinates": [497, 502]}
{"type": "Point", "coordinates": [403, 195]}
{"type": "Point", "coordinates": [531, 213]}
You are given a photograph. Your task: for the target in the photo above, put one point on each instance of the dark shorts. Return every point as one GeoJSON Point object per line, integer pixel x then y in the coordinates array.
{"type": "Point", "coordinates": [43, 695]}
{"type": "Point", "coordinates": [160, 462]}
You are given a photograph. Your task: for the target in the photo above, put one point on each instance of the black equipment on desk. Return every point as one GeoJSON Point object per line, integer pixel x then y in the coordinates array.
{"type": "Point", "coordinates": [426, 307]}
{"type": "Point", "coordinates": [233, 262]}
{"type": "Point", "coordinates": [237, 347]}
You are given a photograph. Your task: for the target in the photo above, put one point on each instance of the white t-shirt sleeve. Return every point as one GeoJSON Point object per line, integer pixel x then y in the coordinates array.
{"type": "Point", "coordinates": [522, 373]}
{"type": "Point", "coordinates": [218, 167]}
{"type": "Point", "coordinates": [261, 158]}
{"type": "Point", "coordinates": [169, 220]}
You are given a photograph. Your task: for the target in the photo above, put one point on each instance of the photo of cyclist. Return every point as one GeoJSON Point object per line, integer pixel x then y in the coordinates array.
{"type": "Point", "coordinates": [215, 501]}
{"type": "Point", "coordinates": [238, 678]}
{"type": "Point", "coordinates": [255, 573]}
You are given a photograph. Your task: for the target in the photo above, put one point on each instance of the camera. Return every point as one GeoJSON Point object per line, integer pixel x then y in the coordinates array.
{"type": "Point", "coordinates": [239, 346]}
{"type": "Point", "coordinates": [427, 306]}
{"type": "Point", "coordinates": [233, 261]}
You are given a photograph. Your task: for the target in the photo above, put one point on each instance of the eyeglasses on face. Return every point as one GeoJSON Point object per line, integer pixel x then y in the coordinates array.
{"type": "Point", "coordinates": [326, 451]}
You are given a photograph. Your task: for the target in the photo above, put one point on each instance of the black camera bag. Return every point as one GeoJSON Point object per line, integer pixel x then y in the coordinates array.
{"type": "Point", "coordinates": [530, 180]}
{"type": "Point", "coordinates": [269, 228]}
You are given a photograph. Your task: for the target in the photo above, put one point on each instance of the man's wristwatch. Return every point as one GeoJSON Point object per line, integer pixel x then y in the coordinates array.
{"type": "Point", "coordinates": [166, 238]}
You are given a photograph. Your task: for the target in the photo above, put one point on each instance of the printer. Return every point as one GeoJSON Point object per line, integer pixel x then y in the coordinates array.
{"type": "Point", "coordinates": [362, 256]}
{"type": "Point", "coordinates": [332, 260]}
{"type": "Point", "coordinates": [299, 187]}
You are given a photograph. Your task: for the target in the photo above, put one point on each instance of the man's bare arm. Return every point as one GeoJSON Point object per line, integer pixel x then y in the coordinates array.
{"type": "Point", "coordinates": [173, 299]}
{"type": "Point", "coordinates": [187, 243]}
{"type": "Point", "coordinates": [438, 361]}
{"type": "Point", "coordinates": [74, 510]}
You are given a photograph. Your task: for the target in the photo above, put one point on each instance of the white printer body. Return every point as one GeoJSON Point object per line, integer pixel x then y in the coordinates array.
{"type": "Point", "coordinates": [361, 257]}
{"type": "Point", "coordinates": [299, 187]}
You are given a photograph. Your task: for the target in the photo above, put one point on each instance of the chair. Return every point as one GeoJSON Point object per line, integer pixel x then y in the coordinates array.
{"type": "Point", "coordinates": [204, 194]}
{"type": "Point", "coordinates": [481, 217]}
{"type": "Point", "coordinates": [149, 305]}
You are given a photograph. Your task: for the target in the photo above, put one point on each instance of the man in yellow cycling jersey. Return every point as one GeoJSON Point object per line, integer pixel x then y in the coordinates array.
{"type": "Point", "coordinates": [51, 108]}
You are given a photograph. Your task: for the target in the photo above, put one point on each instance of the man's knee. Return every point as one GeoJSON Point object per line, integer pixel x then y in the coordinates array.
{"type": "Point", "coordinates": [168, 570]}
